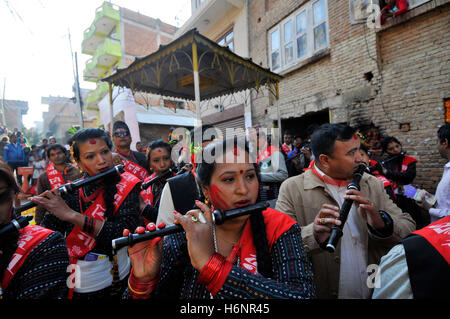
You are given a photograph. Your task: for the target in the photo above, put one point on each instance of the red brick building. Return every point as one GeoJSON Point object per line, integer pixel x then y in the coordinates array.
{"type": "Point", "coordinates": [339, 67]}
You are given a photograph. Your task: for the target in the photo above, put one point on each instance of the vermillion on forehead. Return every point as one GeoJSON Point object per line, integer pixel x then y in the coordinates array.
{"type": "Point", "coordinates": [92, 141]}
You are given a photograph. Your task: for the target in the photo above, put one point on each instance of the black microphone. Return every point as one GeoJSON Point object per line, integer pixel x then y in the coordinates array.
{"type": "Point", "coordinates": [336, 231]}
{"type": "Point", "coordinates": [15, 224]}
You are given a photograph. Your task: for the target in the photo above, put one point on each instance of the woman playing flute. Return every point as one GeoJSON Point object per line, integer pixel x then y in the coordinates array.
{"type": "Point", "coordinates": [33, 260]}
{"type": "Point", "coordinates": [94, 215]}
{"type": "Point", "coordinates": [261, 256]}
{"type": "Point", "coordinates": [159, 160]}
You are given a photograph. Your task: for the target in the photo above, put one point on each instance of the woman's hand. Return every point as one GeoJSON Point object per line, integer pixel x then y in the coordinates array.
{"type": "Point", "coordinates": [146, 256]}
{"type": "Point", "coordinates": [197, 224]}
{"type": "Point", "coordinates": [53, 202]}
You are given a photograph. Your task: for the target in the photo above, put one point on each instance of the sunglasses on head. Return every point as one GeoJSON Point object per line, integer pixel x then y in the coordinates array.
{"type": "Point", "coordinates": [121, 133]}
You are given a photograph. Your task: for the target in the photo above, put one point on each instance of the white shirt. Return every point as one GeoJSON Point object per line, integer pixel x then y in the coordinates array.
{"type": "Point", "coordinates": [353, 269]}
{"type": "Point", "coordinates": [443, 196]}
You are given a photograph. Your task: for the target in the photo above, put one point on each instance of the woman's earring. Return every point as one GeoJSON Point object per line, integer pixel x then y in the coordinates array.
{"type": "Point", "coordinates": [206, 202]}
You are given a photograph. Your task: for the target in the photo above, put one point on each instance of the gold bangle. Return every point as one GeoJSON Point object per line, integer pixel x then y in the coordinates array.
{"type": "Point", "coordinates": [139, 292]}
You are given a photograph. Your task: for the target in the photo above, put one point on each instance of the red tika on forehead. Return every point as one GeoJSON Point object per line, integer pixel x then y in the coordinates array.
{"type": "Point", "coordinates": [92, 141]}
{"type": "Point", "coordinates": [355, 136]}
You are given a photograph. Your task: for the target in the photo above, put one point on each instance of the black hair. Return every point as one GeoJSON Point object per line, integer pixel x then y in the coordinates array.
{"type": "Point", "coordinates": [386, 141]}
{"type": "Point", "coordinates": [288, 132]}
{"type": "Point", "coordinates": [444, 133]}
{"type": "Point", "coordinates": [7, 175]}
{"type": "Point", "coordinates": [84, 135]}
{"type": "Point", "coordinates": [364, 148]}
{"type": "Point", "coordinates": [204, 173]}
{"type": "Point", "coordinates": [109, 183]}
{"type": "Point", "coordinates": [55, 147]}
{"type": "Point", "coordinates": [312, 128]}
{"type": "Point", "coordinates": [8, 241]}
{"type": "Point", "coordinates": [121, 124]}
{"type": "Point", "coordinates": [157, 144]}
{"type": "Point", "coordinates": [324, 138]}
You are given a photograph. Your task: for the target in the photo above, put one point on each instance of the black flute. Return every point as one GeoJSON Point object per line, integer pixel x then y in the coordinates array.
{"type": "Point", "coordinates": [15, 224]}
{"type": "Point", "coordinates": [219, 217]}
{"type": "Point", "coordinates": [70, 187]}
{"type": "Point", "coordinates": [336, 231]}
{"type": "Point", "coordinates": [156, 179]}
{"type": "Point", "coordinates": [160, 177]}
{"type": "Point", "coordinates": [392, 158]}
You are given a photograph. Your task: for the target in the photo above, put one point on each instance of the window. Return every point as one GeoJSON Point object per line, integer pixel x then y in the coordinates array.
{"type": "Point", "coordinates": [299, 36]}
{"type": "Point", "coordinates": [416, 3]}
{"type": "Point", "coordinates": [227, 40]}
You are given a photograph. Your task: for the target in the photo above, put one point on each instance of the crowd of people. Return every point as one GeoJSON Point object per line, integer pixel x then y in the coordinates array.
{"type": "Point", "coordinates": [278, 251]}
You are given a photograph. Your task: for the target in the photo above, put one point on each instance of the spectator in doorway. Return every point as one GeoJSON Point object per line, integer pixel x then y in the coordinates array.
{"type": "Point", "coordinates": [52, 140]}
{"type": "Point", "coordinates": [287, 142]}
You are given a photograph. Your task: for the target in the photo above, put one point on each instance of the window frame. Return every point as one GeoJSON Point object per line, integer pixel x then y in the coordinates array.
{"type": "Point", "coordinates": [309, 32]}
{"type": "Point", "coordinates": [224, 38]}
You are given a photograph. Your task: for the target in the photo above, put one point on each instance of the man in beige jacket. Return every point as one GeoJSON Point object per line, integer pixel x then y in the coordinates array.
{"type": "Point", "coordinates": [374, 224]}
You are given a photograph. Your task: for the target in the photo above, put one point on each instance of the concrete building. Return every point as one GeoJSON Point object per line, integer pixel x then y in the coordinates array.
{"type": "Point", "coordinates": [62, 114]}
{"type": "Point", "coordinates": [339, 66]}
{"type": "Point", "coordinates": [14, 110]}
{"type": "Point", "coordinates": [116, 37]}
{"type": "Point", "coordinates": [226, 23]}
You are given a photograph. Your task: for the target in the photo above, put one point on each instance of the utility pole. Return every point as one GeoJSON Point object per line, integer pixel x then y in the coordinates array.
{"type": "Point", "coordinates": [3, 104]}
{"type": "Point", "coordinates": [77, 84]}
{"type": "Point", "coordinates": [78, 93]}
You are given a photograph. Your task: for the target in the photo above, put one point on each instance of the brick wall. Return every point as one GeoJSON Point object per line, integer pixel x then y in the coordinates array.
{"type": "Point", "coordinates": [416, 74]}
{"type": "Point", "coordinates": [412, 55]}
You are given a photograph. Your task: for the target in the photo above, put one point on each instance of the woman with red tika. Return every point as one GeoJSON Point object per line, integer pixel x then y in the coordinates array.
{"type": "Point", "coordinates": [257, 256]}
{"type": "Point", "coordinates": [33, 260]}
{"type": "Point", "coordinates": [159, 160]}
{"type": "Point", "coordinates": [92, 216]}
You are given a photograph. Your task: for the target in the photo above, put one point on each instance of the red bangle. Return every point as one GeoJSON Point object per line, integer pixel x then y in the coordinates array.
{"type": "Point", "coordinates": [139, 289]}
{"type": "Point", "coordinates": [214, 273]}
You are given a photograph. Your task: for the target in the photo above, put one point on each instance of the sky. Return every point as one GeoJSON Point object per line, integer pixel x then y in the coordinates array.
{"type": "Point", "coordinates": [36, 55]}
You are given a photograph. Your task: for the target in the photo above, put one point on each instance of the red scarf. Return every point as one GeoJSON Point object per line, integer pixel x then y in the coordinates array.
{"type": "Point", "coordinates": [328, 180]}
{"type": "Point", "coordinates": [29, 237]}
{"type": "Point", "coordinates": [80, 243]}
{"type": "Point", "coordinates": [277, 224]}
{"type": "Point", "coordinates": [438, 235]}
{"type": "Point", "coordinates": [54, 176]}
{"type": "Point", "coordinates": [405, 162]}
{"type": "Point", "coordinates": [147, 194]}
{"type": "Point", "coordinates": [134, 168]}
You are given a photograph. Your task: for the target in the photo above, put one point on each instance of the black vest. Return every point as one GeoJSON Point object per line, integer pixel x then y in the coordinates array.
{"type": "Point", "coordinates": [429, 272]}
{"type": "Point", "coordinates": [185, 192]}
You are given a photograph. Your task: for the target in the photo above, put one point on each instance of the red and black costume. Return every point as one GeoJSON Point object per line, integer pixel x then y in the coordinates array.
{"type": "Point", "coordinates": [90, 201]}
{"type": "Point", "coordinates": [151, 197]}
{"type": "Point", "coordinates": [35, 267]}
{"type": "Point", "coordinates": [135, 163]}
{"type": "Point", "coordinates": [427, 254]}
